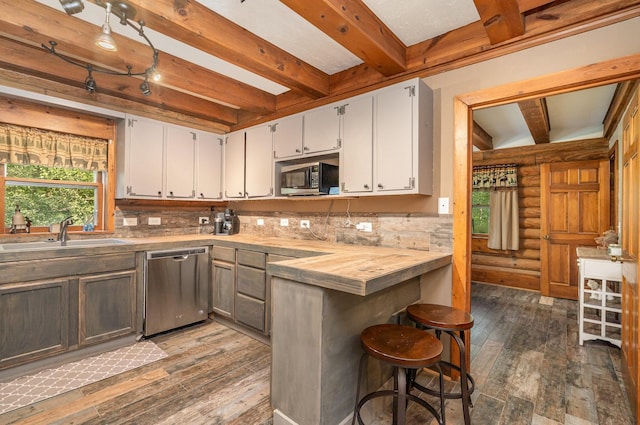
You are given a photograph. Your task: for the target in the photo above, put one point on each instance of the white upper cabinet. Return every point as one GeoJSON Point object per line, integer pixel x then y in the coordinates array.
{"type": "Point", "coordinates": [209, 166]}
{"type": "Point", "coordinates": [258, 162]}
{"type": "Point", "coordinates": [356, 164]}
{"type": "Point", "coordinates": [248, 164]}
{"type": "Point", "coordinates": [321, 129]}
{"type": "Point", "coordinates": [180, 148]}
{"type": "Point", "coordinates": [234, 165]}
{"type": "Point", "coordinates": [287, 137]}
{"type": "Point", "coordinates": [140, 158]}
{"type": "Point", "coordinates": [403, 144]}
{"type": "Point", "coordinates": [165, 161]}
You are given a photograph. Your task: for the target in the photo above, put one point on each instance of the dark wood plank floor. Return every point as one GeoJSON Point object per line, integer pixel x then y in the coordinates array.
{"type": "Point", "coordinates": [528, 366]}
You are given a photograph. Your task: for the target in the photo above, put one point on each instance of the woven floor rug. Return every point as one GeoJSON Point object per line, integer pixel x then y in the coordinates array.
{"type": "Point", "coordinates": [29, 389]}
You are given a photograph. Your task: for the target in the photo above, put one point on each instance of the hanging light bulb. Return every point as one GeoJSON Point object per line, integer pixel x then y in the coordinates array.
{"type": "Point", "coordinates": [89, 82]}
{"type": "Point", "coordinates": [105, 40]}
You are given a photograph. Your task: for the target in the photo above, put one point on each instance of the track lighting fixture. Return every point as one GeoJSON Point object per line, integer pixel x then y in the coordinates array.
{"type": "Point", "coordinates": [125, 13]}
{"type": "Point", "coordinates": [89, 82]}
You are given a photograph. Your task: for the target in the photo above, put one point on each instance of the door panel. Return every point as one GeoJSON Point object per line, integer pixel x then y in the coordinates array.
{"type": "Point", "coordinates": [575, 210]}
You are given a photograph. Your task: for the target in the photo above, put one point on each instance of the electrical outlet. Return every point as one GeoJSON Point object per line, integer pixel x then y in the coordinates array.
{"type": "Point", "coordinates": [284, 222]}
{"type": "Point", "coordinates": [154, 221]}
{"type": "Point", "coordinates": [203, 220]}
{"type": "Point", "coordinates": [365, 227]}
{"type": "Point", "coordinates": [260, 222]}
{"type": "Point", "coordinates": [305, 224]}
{"type": "Point", "coordinates": [128, 221]}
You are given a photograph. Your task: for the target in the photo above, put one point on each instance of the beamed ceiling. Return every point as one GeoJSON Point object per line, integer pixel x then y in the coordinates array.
{"type": "Point", "coordinates": [204, 96]}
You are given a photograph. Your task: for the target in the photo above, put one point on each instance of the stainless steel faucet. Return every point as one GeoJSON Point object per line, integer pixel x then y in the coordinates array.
{"type": "Point", "coordinates": [63, 236]}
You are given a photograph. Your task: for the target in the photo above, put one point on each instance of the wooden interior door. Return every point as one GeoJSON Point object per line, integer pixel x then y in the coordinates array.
{"type": "Point", "coordinates": [575, 210]}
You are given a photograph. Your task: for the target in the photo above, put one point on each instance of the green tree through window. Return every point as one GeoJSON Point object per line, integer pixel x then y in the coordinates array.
{"type": "Point", "coordinates": [48, 195]}
{"type": "Point", "coordinates": [480, 211]}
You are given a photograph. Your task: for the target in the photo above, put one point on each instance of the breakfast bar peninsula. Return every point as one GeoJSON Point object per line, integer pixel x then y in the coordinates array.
{"type": "Point", "coordinates": [320, 305]}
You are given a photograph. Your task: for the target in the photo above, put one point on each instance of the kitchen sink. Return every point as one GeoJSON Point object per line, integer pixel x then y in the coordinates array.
{"type": "Point", "coordinates": [76, 243]}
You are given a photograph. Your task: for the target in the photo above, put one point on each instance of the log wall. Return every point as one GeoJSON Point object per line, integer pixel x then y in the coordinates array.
{"type": "Point", "coordinates": [521, 268]}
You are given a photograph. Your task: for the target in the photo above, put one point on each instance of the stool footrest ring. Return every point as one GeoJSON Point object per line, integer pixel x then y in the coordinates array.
{"type": "Point", "coordinates": [447, 395]}
{"type": "Point", "coordinates": [394, 393]}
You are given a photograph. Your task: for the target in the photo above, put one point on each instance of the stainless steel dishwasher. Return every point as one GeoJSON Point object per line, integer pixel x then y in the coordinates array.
{"type": "Point", "coordinates": [176, 288]}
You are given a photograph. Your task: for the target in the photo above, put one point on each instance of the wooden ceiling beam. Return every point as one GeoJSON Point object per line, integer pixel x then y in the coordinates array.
{"type": "Point", "coordinates": [37, 62]}
{"type": "Point", "coordinates": [34, 23]}
{"type": "Point", "coordinates": [536, 115]}
{"type": "Point", "coordinates": [470, 44]}
{"type": "Point", "coordinates": [198, 26]}
{"type": "Point", "coordinates": [353, 25]}
{"type": "Point", "coordinates": [48, 87]}
{"type": "Point", "coordinates": [621, 97]}
{"type": "Point", "coordinates": [501, 20]}
{"type": "Point", "coordinates": [480, 138]}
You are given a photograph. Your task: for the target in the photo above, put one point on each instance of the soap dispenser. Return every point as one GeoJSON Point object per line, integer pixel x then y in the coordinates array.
{"type": "Point", "coordinates": [17, 221]}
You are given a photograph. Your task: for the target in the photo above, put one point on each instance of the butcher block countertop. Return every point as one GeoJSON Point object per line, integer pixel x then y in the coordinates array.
{"type": "Point", "coordinates": [354, 269]}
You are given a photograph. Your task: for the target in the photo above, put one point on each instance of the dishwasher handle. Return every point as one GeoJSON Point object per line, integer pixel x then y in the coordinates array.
{"type": "Point", "coordinates": [177, 254]}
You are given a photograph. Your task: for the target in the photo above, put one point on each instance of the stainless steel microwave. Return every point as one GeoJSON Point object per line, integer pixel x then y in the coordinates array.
{"type": "Point", "coordinates": [311, 178]}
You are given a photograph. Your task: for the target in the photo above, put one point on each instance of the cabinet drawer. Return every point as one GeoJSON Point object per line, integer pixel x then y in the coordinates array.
{"type": "Point", "coordinates": [251, 282]}
{"type": "Point", "coordinates": [602, 268]}
{"type": "Point", "coordinates": [250, 312]}
{"type": "Point", "coordinates": [224, 254]}
{"type": "Point", "coordinates": [251, 258]}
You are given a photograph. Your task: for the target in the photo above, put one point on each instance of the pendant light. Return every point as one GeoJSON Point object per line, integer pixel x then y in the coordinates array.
{"type": "Point", "coordinates": [105, 40]}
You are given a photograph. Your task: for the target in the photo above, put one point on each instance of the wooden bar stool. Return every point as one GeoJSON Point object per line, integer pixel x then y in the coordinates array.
{"type": "Point", "coordinates": [454, 322]}
{"type": "Point", "coordinates": [407, 349]}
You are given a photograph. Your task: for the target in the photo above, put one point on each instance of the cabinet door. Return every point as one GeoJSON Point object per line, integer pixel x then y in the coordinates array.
{"type": "Point", "coordinates": [234, 165]}
{"type": "Point", "coordinates": [107, 305]}
{"type": "Point", "coordinates": [258, 163]}
{"type": "Point", "coordinates": [180, 162]}
{"type": "Point", "coordinates": [321, 130]}
{"type": "Point", "coordinates": [287, 137]}
{"type": "Point", "coordinates": [209, 166]}
{"type": "Point", "coordinates": [394, 138]}
{"type": "Point", "coordinates": [357, 146]}
{"type": "Point", "coordinates": [223, 288]}
{"type": "Point", "coordinates": [144, 158]}
{"type": "Point", "coordinates": [34, 321]}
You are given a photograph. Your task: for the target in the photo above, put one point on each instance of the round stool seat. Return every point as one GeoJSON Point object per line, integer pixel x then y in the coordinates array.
{"type": "Point", "coordinates": [401, 345]}
{"type": "Point", "coordinates": [440, 317]}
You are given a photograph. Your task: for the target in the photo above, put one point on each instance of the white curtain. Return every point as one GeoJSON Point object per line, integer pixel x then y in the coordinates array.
{"type": "Point", "coordinates": [504, 228]}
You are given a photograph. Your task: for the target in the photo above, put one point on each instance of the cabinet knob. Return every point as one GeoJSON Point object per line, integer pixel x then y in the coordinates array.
{"type": "Point", "coordinates": [159, 193]}
{"type": "Point", "coordinates": [170, 193]}
{"type": "Point", "coordinates": [546, 237]}
{"type": "Point", "coordinates": [240, 193]}
{"type": "Point", "coordinates": [380, 186]}
{"type": "Point", "coordinates": [202, 195]}
{"type": "Point", "coordinates": [306, 148]}
{"type": "Point", "coordinates": [366, 186]}
{"type": "Point", "coordinates": [298, 151]}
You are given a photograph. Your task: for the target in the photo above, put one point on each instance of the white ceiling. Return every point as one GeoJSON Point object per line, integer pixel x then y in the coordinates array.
{"type": "Point", "coordinates": [412, 21]}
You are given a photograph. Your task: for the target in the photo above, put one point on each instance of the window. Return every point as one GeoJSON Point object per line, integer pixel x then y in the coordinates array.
{"type": "Point", "coordinates": [47, 195]}
{"type": "Point", "coordinates": [480, 212]}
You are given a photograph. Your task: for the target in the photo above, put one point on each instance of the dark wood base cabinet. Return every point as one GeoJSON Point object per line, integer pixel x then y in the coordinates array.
{"type": "Point", "coordinates": [53, 316]}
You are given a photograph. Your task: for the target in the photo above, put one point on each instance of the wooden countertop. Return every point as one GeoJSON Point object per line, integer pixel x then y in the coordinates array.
{"type": "Point", "coordinates": [355, 269]}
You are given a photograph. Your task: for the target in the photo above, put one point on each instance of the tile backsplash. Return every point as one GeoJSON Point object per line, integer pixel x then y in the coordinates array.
{"type": "Point", "coordinates": [414, 231]}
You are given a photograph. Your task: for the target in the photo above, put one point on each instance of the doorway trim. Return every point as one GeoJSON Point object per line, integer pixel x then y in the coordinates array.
{"type": "Point", "coordinates": [601, 73]}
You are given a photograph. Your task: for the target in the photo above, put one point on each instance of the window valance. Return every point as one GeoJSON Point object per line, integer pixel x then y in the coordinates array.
{"type": "Point", "coordinates": [495, 176]}
{"type": "Point", "coordinates": [32, 146]}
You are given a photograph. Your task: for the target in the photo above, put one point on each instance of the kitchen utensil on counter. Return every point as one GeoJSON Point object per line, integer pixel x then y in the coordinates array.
{"type": "Point", "coordinates": [18, 223]}
{"type": "Point", "coordinates": [227, 223]}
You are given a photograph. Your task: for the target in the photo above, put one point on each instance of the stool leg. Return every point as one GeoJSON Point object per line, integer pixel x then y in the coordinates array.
{"type": "Point", "coordinates": [355, 408]}
{"type": "Point", "coordinates": [464, 385]}
{"type": "Point", "coordinates": [400, 402]}
{"type": "Point", "coordinates": [442, 399]}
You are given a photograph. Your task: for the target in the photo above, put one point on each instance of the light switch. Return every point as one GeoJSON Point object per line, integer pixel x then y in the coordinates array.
{"type": "Point", "coordinates": [154, 221]}
{"type": "Point", "coordinates": [128, 221]}
{"type": "Point", "coordinates": [443, 205]}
